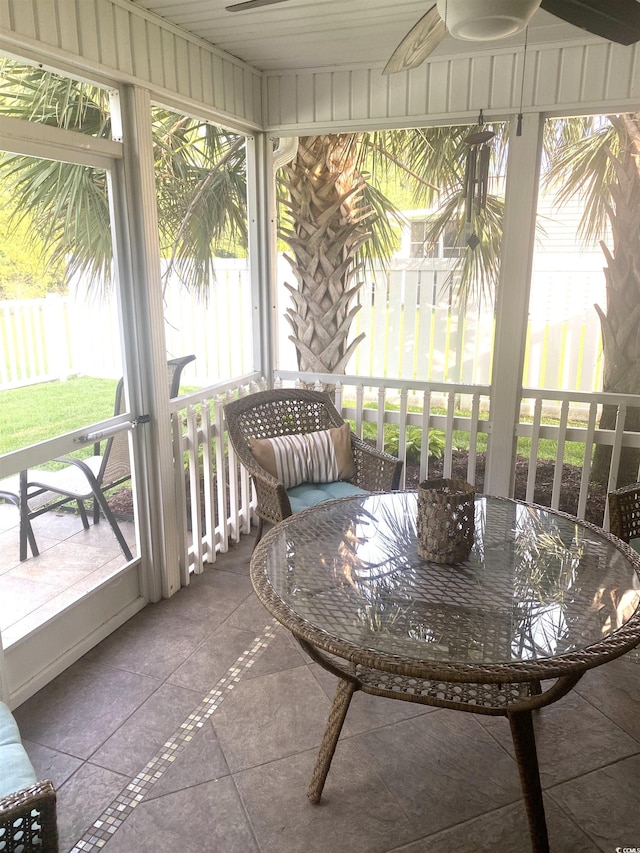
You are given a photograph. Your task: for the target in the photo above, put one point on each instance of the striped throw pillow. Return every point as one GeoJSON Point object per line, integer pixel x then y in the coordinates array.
{"type": "Point", "coordinates": [315, 457]}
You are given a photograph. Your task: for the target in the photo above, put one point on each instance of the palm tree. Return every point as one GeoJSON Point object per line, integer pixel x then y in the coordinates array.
{"type": "Point", "coordinates": [201, 181]}
{"type": "Point", "coordinates": [336, 213]}
{"type": "Point", "coordinates": [598, 159]}
{"type": "Point", "coordinates": [336, 218]}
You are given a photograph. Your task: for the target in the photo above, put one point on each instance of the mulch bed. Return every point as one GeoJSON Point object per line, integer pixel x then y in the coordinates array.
{"type": "Point", "coordinates": [121, 502]}
{"type": "Point", "coordinates": [545, 472]}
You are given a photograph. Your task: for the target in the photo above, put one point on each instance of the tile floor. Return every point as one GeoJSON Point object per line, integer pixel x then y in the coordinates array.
{"type": "Point", "coordinates": [113, 733]}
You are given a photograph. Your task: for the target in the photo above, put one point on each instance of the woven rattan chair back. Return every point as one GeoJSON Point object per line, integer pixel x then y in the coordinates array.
{"type": "Point", "coordinates": [624, 512]}
{"type": "Point", "coordinates": [291, 411]}
{"type": "Point", "coordinates": [283, 411]}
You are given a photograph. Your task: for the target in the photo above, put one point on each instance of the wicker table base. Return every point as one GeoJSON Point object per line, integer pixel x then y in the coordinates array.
{"type": "Point", "coordinates": [515, 701]}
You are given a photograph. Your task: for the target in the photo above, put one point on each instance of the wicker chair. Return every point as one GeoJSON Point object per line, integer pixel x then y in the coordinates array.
{"type": "Point", "coordinates": [268, 414]}
{"type": "Point", "coordinates": [28, 820]}
{"type": "Point", "coordinates": [624, 514]}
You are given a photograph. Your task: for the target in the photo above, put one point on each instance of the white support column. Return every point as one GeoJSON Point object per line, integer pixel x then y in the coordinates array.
{"type": "Point", "coordinates": [512, 302]}
{"type": "Point", "coordinates": [145, 354]}
{"type": "Point", "coordinates": [262, 251]}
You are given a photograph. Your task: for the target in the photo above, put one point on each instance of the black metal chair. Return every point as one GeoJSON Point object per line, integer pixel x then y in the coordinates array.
{"type": "Point", "coordinates": [81, 480]}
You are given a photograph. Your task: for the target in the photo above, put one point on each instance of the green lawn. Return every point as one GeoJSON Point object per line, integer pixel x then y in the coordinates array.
{"type": "Point", "coordinates": [31, 414]}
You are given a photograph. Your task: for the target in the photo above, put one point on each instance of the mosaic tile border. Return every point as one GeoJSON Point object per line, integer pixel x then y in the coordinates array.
{"type": "Point", "coordinates": [116, 813]}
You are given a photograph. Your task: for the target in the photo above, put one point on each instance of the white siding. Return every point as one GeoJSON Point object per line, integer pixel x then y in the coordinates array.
{"type": "Point", "coordinates": [125, 43]}
{"type": "Point", "coordinates": [557, 78]}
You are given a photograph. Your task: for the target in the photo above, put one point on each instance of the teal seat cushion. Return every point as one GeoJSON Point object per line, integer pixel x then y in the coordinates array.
{"type": "Point", "coordinates": [309, 494]}
{"type": "Point", "coordinates": [16, 771]}
{"type": "Point", "coordinates": [635, 544]}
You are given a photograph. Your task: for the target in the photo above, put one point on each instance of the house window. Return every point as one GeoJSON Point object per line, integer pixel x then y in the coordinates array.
{"type": "Point", "coordinates": [447, 246]}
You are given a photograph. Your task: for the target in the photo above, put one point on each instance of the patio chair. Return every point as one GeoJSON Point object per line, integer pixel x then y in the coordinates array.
{"type": "Point", "coordinates": [81, 479]}
{"type": "Point", "coordinates": [255, 420]}
{"type": "Point", "coordinates": [624, 514]}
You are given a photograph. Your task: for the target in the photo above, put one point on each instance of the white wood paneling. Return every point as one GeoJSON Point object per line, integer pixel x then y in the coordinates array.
{"type": "Point", "coordinates": [557, 78]}
{"type": "Point", "coordinates": [124, 42]}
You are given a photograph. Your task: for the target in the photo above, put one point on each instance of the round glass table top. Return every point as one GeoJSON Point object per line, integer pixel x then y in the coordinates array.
{"type": "Point", "coordinates": [538, 584]}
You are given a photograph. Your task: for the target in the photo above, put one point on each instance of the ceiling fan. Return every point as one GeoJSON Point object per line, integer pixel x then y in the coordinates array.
{"type": "Point", "coordinates": [486, 20]}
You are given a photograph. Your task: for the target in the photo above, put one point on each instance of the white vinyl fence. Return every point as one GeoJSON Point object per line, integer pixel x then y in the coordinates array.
{"type": "Point", "coordinates": [413, 327]}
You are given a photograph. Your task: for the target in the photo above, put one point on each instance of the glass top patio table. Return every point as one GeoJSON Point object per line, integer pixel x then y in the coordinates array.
{"type": "Point", "coordinates": [542, 598]}
{"type": "Point", "coordinates": [540, 591]}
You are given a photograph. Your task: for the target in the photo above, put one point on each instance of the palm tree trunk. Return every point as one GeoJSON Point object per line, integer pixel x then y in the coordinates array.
{"type": "Point", "coordinates": [621, 322]}
{"type": "Point", "coordinates": [324, 233]}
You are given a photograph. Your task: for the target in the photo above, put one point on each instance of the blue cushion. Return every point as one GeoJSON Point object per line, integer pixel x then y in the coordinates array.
{"type": "Point", "coordinates": [309, 494]}
{"type": "Point", "coordinates": [16, 771]}
{"type": "Point", "coordinates": [635, 544]}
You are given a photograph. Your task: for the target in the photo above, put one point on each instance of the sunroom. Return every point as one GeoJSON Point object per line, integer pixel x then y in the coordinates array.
{"type": "Point", "coordinates": [491, 377]}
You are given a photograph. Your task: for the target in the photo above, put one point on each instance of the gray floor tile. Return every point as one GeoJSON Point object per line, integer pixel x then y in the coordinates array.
{"type": "Point", "coordinates": [282, 652]}
{"type": "Point", "coordinates": [605, 804]}
{"type": "Point", "coordinates": [200, 761]}
{"type": "Point", "coordinates": [251, 615]}
{"type": "Point", "coordinates": [443, 768]}
{"type": "Point", "coordinates": [143, 734]}
{"type": "Point", "coordinates": [557, 727]}
{"type": "Point", "coordinates": [210, 598]}
{"type": "Point", "coordinates": [504, 831]}
{"type": "Point", "coordinates": [220, 650]}
{"type": "Point", "coordinates": [404, 778]}
{"type": "Point", "coordinates": [83, 707]}
{"type": "Point", "coordinates": [153, 643]}
{"type": "Point", "coordinates": [614, 689]}
{"type": "Point", "coordinates": [266, 718]}
{"type": "Point", "coordinates": [357, 814]}
{"type": "Point", "coordinates": [212, 658]}
{"type": "Point", "coordinates": [51, 764]}
{"type": "Point", "coordinates": [207, 818]}
{"type": "Point", "coordinates": [82, 799]}
{"type": "Point", "coordinates": [237, 558]}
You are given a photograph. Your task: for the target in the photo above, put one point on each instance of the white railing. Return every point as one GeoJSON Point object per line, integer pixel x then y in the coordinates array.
{"type": "Point", "coordinates": [213, 491]}
{"type": "Point", "coordinates": [403, 405]}
{"type": "Point", "coordinates": [217, 499]}
{"type": "Point", "coordinates": [577, 422]}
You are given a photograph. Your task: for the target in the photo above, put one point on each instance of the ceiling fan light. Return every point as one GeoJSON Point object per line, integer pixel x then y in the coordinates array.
{"type": "Point", "coordinates": [485, 20]}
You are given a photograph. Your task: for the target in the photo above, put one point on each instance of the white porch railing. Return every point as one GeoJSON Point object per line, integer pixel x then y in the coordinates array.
{"type": "Point", "coordinates": [217, 497]}
{"type": "Point", "coordinates": [213, 491]}
{"type": "Point", "coordinates": [585, 409]}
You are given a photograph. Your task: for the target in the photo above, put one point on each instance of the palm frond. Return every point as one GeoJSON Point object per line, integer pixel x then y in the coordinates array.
{"type": "Point", "coordinates": [579, 164]}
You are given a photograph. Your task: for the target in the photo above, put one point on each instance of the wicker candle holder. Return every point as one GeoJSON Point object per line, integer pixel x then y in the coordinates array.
{"type": "Point", "coordinates": [445, 525]}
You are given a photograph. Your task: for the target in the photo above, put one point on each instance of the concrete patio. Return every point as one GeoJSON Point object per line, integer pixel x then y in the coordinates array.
{"type": "Point", "coordinates": [71, 562]}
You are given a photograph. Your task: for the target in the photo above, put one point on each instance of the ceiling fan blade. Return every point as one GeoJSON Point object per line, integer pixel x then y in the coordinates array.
{"type": "Point", "coordinates": [418, 43]}
{"type": "Point", "coordinates": [615, 20]}
{"type": "Point", "coordinates": [251, 4]}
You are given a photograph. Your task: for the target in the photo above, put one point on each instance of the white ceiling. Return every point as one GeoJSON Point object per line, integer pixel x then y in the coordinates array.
{"type": "Point", "coordinates": [298, 34]}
